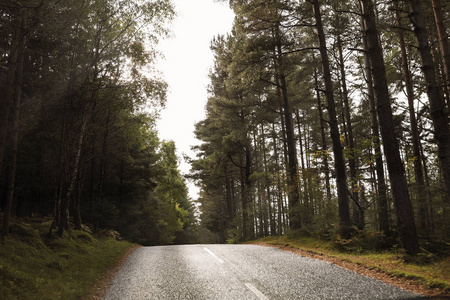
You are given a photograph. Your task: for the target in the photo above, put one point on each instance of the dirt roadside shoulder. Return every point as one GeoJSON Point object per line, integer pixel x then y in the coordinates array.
{"type": "Point", "coordinates": [403, 283]}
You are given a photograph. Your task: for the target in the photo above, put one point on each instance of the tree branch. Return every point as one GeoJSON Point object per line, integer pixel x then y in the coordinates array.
{"type": "Point", "coordinates": [300, 50]}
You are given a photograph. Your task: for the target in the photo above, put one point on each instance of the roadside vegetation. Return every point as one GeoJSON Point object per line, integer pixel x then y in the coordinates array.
{"type": "Point", "coordinates": [428, 272]}
{"type": "Point", "coordinates": [35, 266]}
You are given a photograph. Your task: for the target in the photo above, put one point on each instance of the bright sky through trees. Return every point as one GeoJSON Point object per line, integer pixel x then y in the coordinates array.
{"type": "Point", "coordinates": [188, 59]}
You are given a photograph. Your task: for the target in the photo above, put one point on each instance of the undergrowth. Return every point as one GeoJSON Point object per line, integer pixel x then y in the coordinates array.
{"type": "Point", "coordinates": [35, 266]}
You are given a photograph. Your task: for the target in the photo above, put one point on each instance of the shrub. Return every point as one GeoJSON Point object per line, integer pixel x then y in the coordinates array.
{"type": "Point", "coordinates": [363, 241]}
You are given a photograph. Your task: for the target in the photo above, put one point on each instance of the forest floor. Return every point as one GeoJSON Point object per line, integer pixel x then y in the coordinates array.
{"type": "Point", "coordinates": [33, 265]}
{"type": "Point", "coordinates": [429, 277]}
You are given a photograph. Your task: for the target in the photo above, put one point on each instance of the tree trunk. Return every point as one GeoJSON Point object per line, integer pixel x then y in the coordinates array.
{"type": "Point", "coordinates": [245, 194]}
{"type": "Point", "coordinates": [405, 216]}
{"type": "Point", "coordinates": [295, 221]}
{"type": "Point", "coordinates": [65, 203]}
{"type": "Point", "coordinates": [417, 159]}
{"type": "Point", "coordinates": [15, 129]}
{"type": "Point", "coordinates": [267, 183]}
{"type": "Point", "coordinates": [323, 140]}
{"type": "Point", "coordinates": [103, 161]}
{"type": "Point", "coordinates": [264, 202]}
{"type": "Point", "coordinates": [437, 107]}
{"type": "Point", "coordinates": [443, 42]}
{"type": "Point", "coordinates": [7, 83]}
{"type": "Point", "coordinates": [383, 212]}
{"type": "Point", "coordinates": [59, 188]}
{"type": "Point", "coordinates": [248, 188]}
{"type": "Point", "coordinates": [228, 194]}
{"type": "Point", "coordinates": [341, 177]}
{"type": "Point", "coordinates": [279, 185]}
{"type": "Point", "coordinates": [358, 213]}
{"type": "Point", "coordinates": [305, 215]}
{"type": "Point", "coordinates": [77, 199]}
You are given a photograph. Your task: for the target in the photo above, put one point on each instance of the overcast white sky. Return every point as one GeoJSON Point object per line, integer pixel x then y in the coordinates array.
{"type": "Point", "coordinates": [188, 60]}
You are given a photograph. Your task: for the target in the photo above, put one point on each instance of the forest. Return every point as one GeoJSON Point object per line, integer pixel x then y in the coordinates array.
{"type": "Point", "coordinates": [78, 102]}
{"type": "Point", "coordinates": [323, 118]}
{"type": "Point", "coordinates": [329, 118]}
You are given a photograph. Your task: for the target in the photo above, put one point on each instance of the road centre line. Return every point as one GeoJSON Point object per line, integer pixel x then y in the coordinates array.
{"type": "Point", "coordinates": [214, 255]}
{"type": "Point", "coordinates": [252, 288]}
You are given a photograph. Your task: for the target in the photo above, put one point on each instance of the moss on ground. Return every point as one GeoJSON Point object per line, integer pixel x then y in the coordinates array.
{"type": "Point", "coordinates": [34, 266]}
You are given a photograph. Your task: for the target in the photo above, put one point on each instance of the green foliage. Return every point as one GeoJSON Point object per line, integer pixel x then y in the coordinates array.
{"type": "Point", "coordinates": [27, 234]}
{"type": "Point", "coordinates": [299, 233]}
{"type": "Point", "coordinates": [175, 204]}
{"type": "Point", "coordinates": [363, 241]}
{"type": "Point", "coordinates": [105, 212]}
{"type": "Point", "coordinates": [233, 236]}
{"type": "Point", "coordinates": [152, 204]}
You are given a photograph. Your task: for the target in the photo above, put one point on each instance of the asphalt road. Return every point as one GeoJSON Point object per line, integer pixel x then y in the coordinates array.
{"type": "Point", "coordinates": [240, 272]}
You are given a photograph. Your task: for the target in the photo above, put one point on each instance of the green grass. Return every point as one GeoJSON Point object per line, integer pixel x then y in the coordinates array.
{"type": "Point", "coordinates": [432, 272]}
{"type": "Point", "coordinates": [33, 266]}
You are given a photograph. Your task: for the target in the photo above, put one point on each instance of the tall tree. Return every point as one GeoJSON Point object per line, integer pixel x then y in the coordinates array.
{"type": "Point", "coordinates": [339, 163]}
{"type": "Point", "coordinates": [293, 188]}
{"type": "Point", "coordinates": [266, 19]}
{"type": "Point", "coordinates": [418, 171]}
{"type": "Point", "coordinates": [7, 80]}
{"type": "Point", "coordinates": [403, 207]}
{"type": "Point", "coordinates": [443, 43]}
{"type": "Point", "coordinates": [16, 101]}
{"type": "Point", "coordinates": [437, 106]}
{"type": "Point", "coordinates": [323, 137]}
{"type": "Point", "coordinates": [383, 213]}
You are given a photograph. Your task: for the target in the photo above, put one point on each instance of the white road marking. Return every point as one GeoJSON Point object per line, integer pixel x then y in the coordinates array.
{"type": "Point", "coordinates": [214, 255]}
{"type": "Point", "coordinates": [252, 288]}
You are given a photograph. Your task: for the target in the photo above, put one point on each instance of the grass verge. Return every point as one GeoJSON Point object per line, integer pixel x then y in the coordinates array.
{"type": "Point", "coordinates": [426, 276]}
{"type": "Point", "coordinates": [33, 266]}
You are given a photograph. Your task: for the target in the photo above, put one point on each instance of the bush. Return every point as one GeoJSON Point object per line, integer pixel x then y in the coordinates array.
{"type": "Point", "coordinates": [437, 246]}
{"type": "Point", "coordinates": [363, 241]}
{"type": "Point", "coordinates": [299, 233]}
